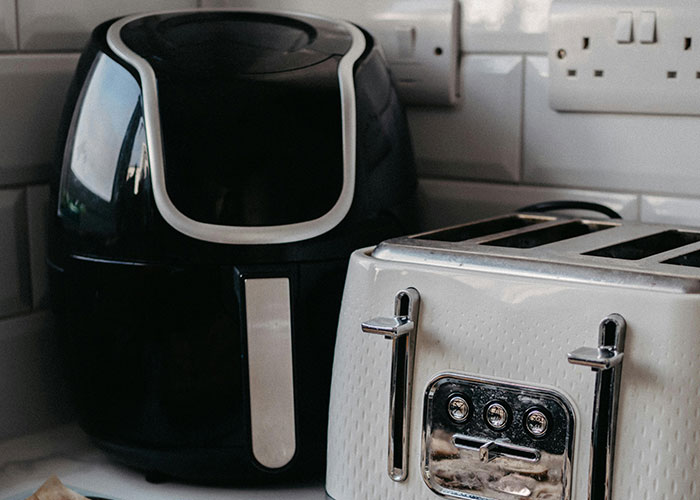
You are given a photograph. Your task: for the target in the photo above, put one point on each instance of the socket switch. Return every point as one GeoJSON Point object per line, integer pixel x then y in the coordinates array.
{"type": "Point", "coordinates": [625, 56]}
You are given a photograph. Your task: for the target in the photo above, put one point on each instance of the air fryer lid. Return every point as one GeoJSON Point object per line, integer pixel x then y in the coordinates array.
{"type": "Point", "coordinates": [233, 42]}
{"type": "Point", "coordinates": [250, 113]}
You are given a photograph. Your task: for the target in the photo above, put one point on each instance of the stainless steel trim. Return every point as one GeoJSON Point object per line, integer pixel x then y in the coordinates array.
{"type": "Point", "coordinates": [562, 261]}
{"type": "Point", "coordinates": [270, 370]}
{"type": "Point", "coordinates": [243, 235]}
{"type": "Point", "coordinates": [539, 392]}
{"type": "Point", "coordinates": [606, 360]}
{"type": "Point", "coordinates": [401, 329]}
{"type": "Point", "coordinates": [600, 358]}
{"type": "Point", "coordinates": [391, 328]}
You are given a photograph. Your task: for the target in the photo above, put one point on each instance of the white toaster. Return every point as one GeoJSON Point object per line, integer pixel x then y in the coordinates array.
{"type": "Point", "coordinates": [480, 393]}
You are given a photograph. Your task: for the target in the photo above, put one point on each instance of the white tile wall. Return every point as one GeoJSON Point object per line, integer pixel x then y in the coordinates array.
{"type": "Point", "coordinates": [33, 88]}
{"type": "Point", "coordinates": [480, 137]}
{"type": "Point", "coordinates": [505, 25]}
{"type": "Point", "coordinates": [451, 202]}
{"type": "Point", "coordinates": [607, 151]}
{"type": "Point", "coordinates": [15, 285]}
{"type": "Point", "coordinates": [670, 210]}
{"type": "Point", "coordinates": [32, 395]}
{"type": "Point", "coordinates": [339, 9]}
{"type": "Point", "coordinates": [66, 24]}
{"type": "Point", "coordinates": [8, 25]}
{"type": "Point", "coordinates": [37, 222]}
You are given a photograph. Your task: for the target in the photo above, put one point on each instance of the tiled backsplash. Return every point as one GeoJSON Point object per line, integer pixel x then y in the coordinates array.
{"type": "Point", "coordinates": [502, 147]}
{"type": "Point", "coordinates": [479, 137]}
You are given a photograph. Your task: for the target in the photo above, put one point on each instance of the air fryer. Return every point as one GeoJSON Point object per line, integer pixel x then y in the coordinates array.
{"type": "Point", "coordinates": [217, 169]}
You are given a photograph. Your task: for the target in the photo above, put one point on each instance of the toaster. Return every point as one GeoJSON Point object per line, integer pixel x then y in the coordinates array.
{"type": "Point", "coordinates": [217, 169]}
{"type": "Point", "coordinates": [527, 356]}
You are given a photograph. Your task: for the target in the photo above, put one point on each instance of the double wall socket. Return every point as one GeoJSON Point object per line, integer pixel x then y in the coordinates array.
{"type": "Point", "coordinates": [624, 56]}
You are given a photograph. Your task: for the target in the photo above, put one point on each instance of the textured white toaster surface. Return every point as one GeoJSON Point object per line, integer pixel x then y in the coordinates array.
{"type": "Point", "coordinates": [520, 327]}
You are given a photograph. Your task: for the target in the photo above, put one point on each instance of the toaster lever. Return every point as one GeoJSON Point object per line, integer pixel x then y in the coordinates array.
{"type": "Point", "coordinates": [606, 361]}
{"type": "Point", "coordinates": [401, 330]}
{"type": "Point", "coordinates": [391, 328]}
{"type": "Point", "coordinates": [493, 449]}
{"type": "Point", "coordinates": [602, 358]}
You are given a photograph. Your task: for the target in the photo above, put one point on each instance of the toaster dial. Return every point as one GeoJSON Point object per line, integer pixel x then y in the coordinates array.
{"type": "Point", "coordinates": [536, 422]}
{"type": "Point", "coordinates": [520, 446]}
{"type": "Point", "coordinates": [497, 415]}
{"type": "Point", "coordinates": [458, 408]}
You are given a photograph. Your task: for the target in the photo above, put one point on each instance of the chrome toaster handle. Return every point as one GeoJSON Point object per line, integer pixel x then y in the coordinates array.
{"type": "Point", "coordinates": [401, 330]}
{"type": "Point", "coordinates": [606, 360]}
{"type": "Point", "coordinates": [500, 448]}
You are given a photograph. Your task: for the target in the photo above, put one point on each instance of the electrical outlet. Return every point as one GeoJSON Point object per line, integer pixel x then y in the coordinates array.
{"type": "Point", "coordinates": [625, 56]}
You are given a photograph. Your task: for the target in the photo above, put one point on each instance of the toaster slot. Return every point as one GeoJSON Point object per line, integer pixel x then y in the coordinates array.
{"type": "Point", "coordinates": [479, 229]}
{"type": "Point", "coordinates": [551, 234]}
{"type": "Point", "coordinates": [691, 259]}
{"type": "Point", "coordinates": [648, 245]}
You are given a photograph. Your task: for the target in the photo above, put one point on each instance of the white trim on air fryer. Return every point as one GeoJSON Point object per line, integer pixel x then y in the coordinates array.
{"type": "Point", "coordinates": [244, 235]}
{"type": "Point", "coordinates": [270, 370]}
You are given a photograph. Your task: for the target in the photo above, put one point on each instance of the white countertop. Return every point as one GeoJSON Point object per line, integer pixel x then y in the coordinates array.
{"type": "Point", "coordinates": [26, 462]}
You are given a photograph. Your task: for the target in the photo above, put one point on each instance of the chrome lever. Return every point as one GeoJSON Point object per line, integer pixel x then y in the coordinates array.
{"type": "Point", "coordinates": [601, 358]}
{"type": "Point", "coordinates": [390, 328]}
{"type": "Point", "coordinates": [401, 330]}
{"type": "Point", "coordinates": [606, 361]}
{"type": "Point", "coordinates": [493, 449]}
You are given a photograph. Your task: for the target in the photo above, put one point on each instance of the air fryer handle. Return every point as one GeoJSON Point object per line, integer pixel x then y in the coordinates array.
{"type": "Point", "coordinates": [268, 327]}
{"type": "Point", "coordinates": [243, 235]}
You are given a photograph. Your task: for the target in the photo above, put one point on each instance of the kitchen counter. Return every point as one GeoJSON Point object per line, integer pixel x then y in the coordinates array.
{"type": "Point", "coordinates": [26, 462]}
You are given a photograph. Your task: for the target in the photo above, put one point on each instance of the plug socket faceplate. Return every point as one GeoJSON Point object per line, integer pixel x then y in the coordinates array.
{"type": "Point", "coordinates": [625, 56]}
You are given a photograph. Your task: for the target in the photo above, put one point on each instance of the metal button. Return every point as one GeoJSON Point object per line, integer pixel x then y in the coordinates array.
{"type": "Point", "coordinates": [497, 416]}
{"type": "Point", "coordinates": [536, 422]}
{"type": "Point", "coordinates": [458, 409]}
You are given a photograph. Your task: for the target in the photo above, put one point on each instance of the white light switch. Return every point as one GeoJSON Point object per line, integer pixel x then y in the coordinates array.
{"type": "Point", "coordinates": [647, 27]}
{"type": "Point", "coordinates": [406, 37]}
{"type": "Point", "coordinates": [623, 28]}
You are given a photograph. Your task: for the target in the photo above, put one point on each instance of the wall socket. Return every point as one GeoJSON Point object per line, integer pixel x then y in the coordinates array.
{"type": "Point", "coordinates": [625, 56]}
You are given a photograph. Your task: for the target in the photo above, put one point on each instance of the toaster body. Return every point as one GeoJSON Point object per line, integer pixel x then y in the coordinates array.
{"type": "Point", "coordinates": [497, 316]}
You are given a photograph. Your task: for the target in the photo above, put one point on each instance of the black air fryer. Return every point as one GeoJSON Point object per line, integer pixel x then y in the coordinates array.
{"type": "Point", "coordinates": [217, 169]}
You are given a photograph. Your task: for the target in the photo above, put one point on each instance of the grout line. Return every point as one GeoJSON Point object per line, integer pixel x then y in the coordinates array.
{"type": "Point", "coordinates": [25, 314]}
{"type": "Point", "coordinates": [41, 52]}
{"type": "Point", "coordinates": [521, 173]}
{"type": "Point", "coordinates": [17, 22]}
{"type": "Point", "coordinates": [20, 53]}
{"type": "Point", "coordinates": [638, 192]}
{"type": "Point", "coordinates": [28, 233]}
{"type": "Point", "coordinates": [505, 53]}
{"type": "Point", "coordinates": [639, 206]}
{"type": "Point", "coordinates": [20, 185]}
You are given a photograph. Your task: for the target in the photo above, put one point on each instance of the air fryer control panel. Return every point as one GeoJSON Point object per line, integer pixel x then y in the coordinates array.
{"type": "Point", "coordinates": [491, 440]}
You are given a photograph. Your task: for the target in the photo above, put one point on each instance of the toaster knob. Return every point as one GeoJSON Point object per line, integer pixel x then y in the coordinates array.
{"type": "Point", "coordinates": [458, 409]}
{"type": "Point", "coordinates": [497, 415]}
{"type": "Point", "coordinates": [536, 422]}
